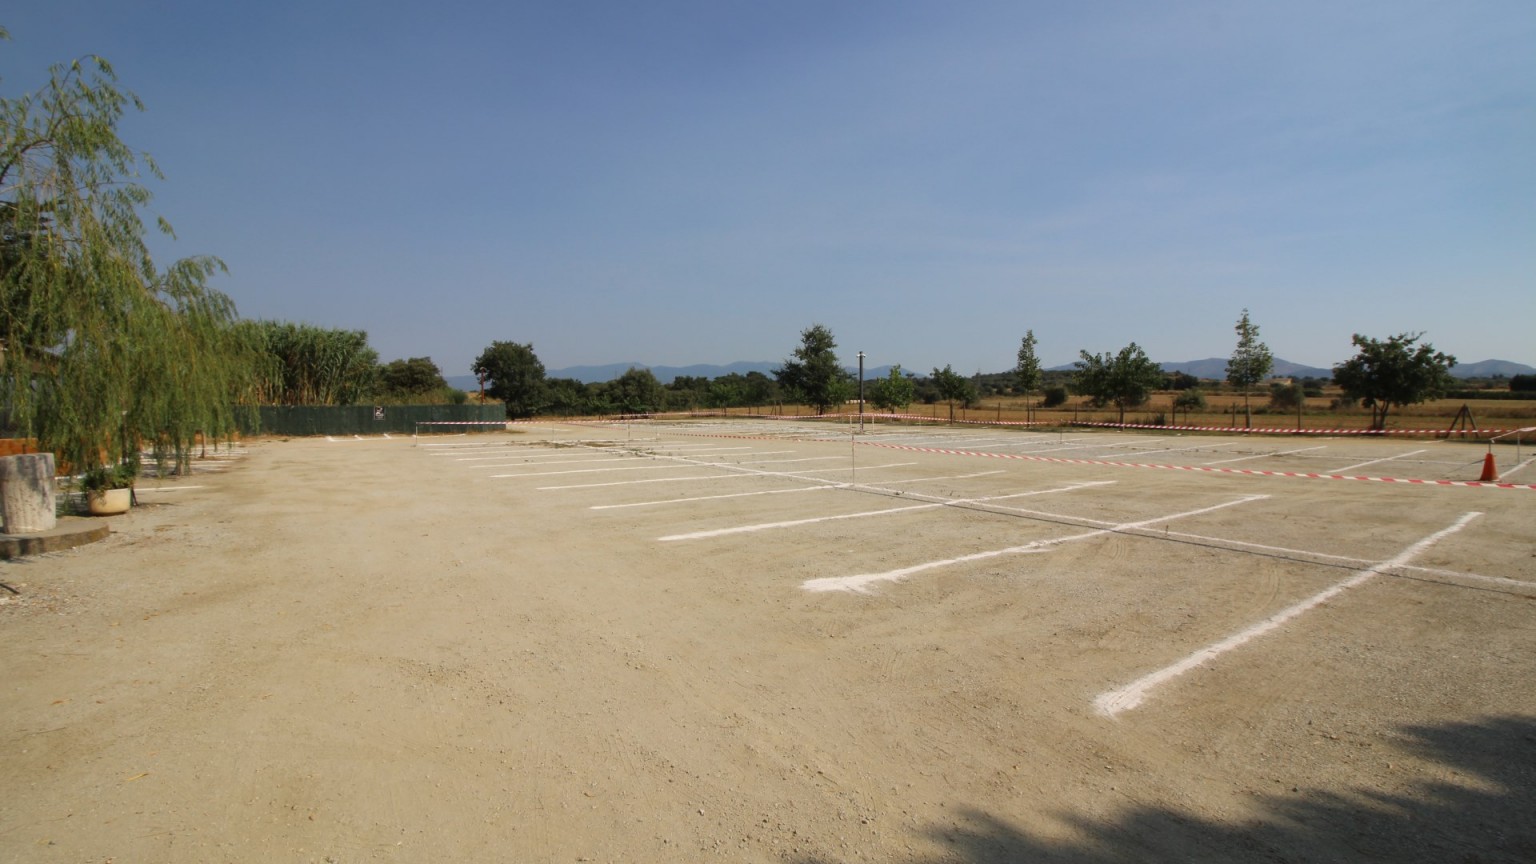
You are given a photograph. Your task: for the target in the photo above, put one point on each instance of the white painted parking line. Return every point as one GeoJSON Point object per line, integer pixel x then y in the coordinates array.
{"type": "Point", "coordinates": [825, 470]}
{"type": "Point", "coordinates": [1134, 452]}
{"type": "Point", "coordinates": [861, 583]}
{"type": "Point", "coordinates": [790, 461]}
{"type": "Point", "coordinates": [1121, 699]}
{"type": "Point", "coordinates": [937, 479]}
{"type": "Point", "coordinates": [648, 480]}
{"type": "Point", "coordinates": [1105, 445]}
{"type": "Point", "coordinates": [1328, 560]}
{"type": "Point", "coordinates": [583, 471]}
{"type": "Point", "coordinates": [1519, 466]}
{"type": "Point", "coordinates": [617, 457]}
{"type": "Point", "coordinates": [1373, 462]}
{"type": "Point", "coordinates": [1263, 455]}
{"type": "Point", "coordinates": [695, 498]}
{"type": "Point", "coordinates": [456, 449]}
{"type": "Point", "coordinates": [505, 454]}
{"type": "Point", "coordinates": [710, 452]}
{"type": "Point", "coordinates": [931, 505]}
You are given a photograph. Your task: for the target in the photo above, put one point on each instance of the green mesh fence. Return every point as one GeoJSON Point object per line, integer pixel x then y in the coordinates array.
{"type": "Point", "coordinates": [371, 420]}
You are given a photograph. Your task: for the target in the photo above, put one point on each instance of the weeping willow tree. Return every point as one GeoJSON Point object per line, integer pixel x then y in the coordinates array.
{"type": "Point", "coordinates": [102, 352]}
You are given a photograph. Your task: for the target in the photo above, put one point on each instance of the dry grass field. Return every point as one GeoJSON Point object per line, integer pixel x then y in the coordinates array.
{"type": "Point", "coordinates": [752, 640]}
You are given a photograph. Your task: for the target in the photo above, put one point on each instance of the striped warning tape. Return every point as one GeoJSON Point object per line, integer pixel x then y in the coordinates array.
{"type": "Point", "coordinates": [1210, 469]}
{"type": "Point", "coordinates": [927, 418]}
{"type": "Point", "coordinates": [1281, 430]}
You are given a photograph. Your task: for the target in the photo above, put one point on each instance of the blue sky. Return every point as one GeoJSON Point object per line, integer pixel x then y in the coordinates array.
{"type": "Point", "coordinates": [697, 182]}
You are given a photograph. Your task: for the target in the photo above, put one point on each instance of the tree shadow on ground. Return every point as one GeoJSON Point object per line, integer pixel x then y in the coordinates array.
{"type": "Point", "coordinates": [1487, 817]}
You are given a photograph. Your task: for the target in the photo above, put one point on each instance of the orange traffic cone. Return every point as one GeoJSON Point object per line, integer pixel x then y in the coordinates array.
{"type": "Point", "coordinates": [1490, 472]}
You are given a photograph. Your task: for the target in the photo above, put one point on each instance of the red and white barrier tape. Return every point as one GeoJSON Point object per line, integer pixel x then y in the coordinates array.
{"type": "Point", "coordinates": [1282, 430]}
{"type": "Point", "coordinates": [1252, 472]}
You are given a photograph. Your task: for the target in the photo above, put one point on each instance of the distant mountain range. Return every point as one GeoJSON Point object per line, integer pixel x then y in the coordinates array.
{"type": "Point", "coordinates": [1211, 367]}
{"type": "Point", "coordinates": [1216, 368]}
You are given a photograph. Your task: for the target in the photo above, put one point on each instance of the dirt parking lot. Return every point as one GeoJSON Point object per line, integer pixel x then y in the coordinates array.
{"type": "Point", "coordinates": [756, 641]}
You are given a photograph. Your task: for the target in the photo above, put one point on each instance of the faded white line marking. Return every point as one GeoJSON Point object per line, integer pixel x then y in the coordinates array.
{"type": "Point", "coordinates": [860, 583]}
{"type": "Point", "coordinates": [931, 505]}
{"type": "Point", "coordinates": [584, 471]}
{"type": "Point", "coordinates": [1373, 462]}
{"type": "Point", "coordinates": [504, 454]}
{"type": "Point", "coordinates": [1134, 452]}
{"type": "Point", "coordinates": [1517, 467]}
{"type": "Point", "coordinates": [825, 470]}
{"type": "Point", "coordinates": [788, 461]}
{"type": "Point", "coordinates": [649, 480]}
{"type": "Point", "coordinates": [936, 479]}
{"type": "Point", "coordinates": [1263, 455]}
{"type": "Point", "coordinates": [531, 464]}
{"type": "Point", "coordinates": [1133, 694]}
{"type": "Point", "coordinates": [715, 497]}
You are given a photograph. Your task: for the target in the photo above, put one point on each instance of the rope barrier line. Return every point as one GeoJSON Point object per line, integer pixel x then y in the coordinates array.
{"type": "Point", "coordinates": [1281, 430]}
{"type": "Point", "coordinates": [871, 418]}
{"type": "Point", "coordinates": [1209, 469]}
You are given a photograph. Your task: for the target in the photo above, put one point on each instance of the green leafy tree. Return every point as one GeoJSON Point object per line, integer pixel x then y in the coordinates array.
{"type": "Point", "coordinates": [1189, 400]}
{"type": "Point", "coordinates": [1286, 397]}
{"type": "Point", "coordinates": [1124, 380]}
{"type": "Point", "coordinates": [761, 390]}
{"type": "Point", "coordinates": [415, 375]}
{"type": "Point", "coordinates": [894, 391]}
{"type": "Point", "coordinates": [567, 397]}
{"type": "Point", "coordinates": [951, 386]}
{"type": "Point", "coordinates": [99, 348]}
{"type": "Point", "coordinates": [1181, 381]}
{"type": "Point", "coordinates": [414, 378]}
{"type": "Point", "coordinates": [726, 391]}
{"type": "Point", "coordinates": [815, 376]}
{"type": "Point", "coordinates": [637, 392]}
{"type": "Point", "coordinates": [1398, 371]}
{"type": "Point", "coordinates": [301, 364]}
{"type": "Point", "coordinates": [514, 375]}
{"type": "Point", "coordinates": [687, 392]}
{"type": "Point", "coordinates": [1250, 362]}
{"type": "Point", "coordinates": [1027, 371]}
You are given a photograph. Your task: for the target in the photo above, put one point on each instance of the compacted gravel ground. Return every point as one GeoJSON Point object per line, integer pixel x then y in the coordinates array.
{"type": "Point", "coordinates": [779, 642]}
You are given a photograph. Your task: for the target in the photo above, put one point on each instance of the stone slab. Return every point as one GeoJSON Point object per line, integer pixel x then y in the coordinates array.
{"type": "Point", "coordinates": [71, 531]}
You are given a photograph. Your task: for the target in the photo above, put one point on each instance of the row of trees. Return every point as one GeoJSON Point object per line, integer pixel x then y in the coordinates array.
{"type": "Point", "coordinates": [514, 375]}
{"type": "Point", "coordinates": [1385, 373]}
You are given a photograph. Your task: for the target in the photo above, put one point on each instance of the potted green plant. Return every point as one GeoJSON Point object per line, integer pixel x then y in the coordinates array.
{"type": "Point", "coordinates": [109, 489]}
